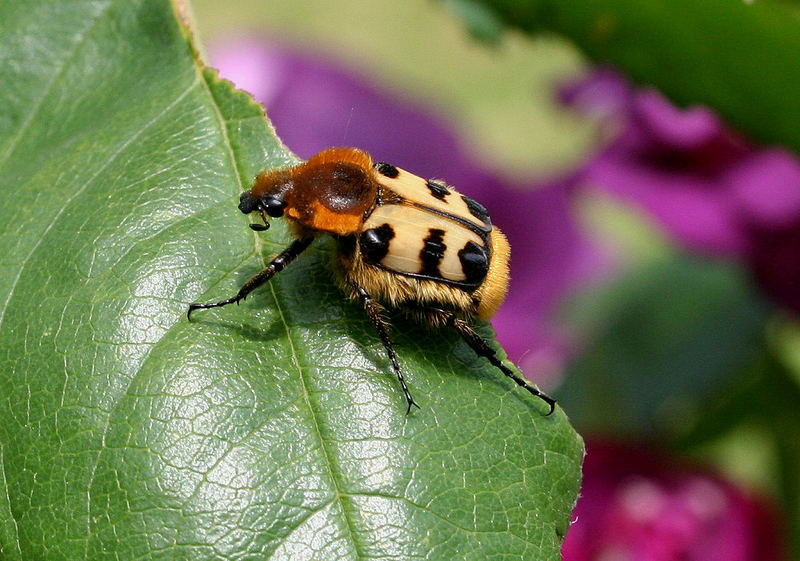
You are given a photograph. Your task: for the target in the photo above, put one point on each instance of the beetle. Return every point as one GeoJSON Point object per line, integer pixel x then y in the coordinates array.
{"type": "Point", "coordinates": [411, 244]}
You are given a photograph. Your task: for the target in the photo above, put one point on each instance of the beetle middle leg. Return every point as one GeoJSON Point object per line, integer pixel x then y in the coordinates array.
{"type": "Point", "coordinates": [374, 310]}
{"type": "Point", "coordinates": [275, 266]}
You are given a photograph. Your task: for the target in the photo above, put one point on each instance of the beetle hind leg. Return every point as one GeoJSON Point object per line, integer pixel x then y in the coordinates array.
{"type": "Point", "coordinates": [482, 348]}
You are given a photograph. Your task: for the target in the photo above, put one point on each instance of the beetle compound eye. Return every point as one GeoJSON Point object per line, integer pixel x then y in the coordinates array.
{"type": "Point", "coordinates": [273, 206]}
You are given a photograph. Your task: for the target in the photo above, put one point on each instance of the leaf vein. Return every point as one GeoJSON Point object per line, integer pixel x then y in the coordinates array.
{"type": "Point", "coordinates": [326, 454]}
{"type": "Point", "coordinates": [107, 421]}
{"type": "Point", "coordinates": [7, 500]}
{"type": "Point", "coordinates": [112, 157]}
{"type": "Point", "coordinates": [471, 531]}
{"type": "Point", "coordinates": [81, 36]}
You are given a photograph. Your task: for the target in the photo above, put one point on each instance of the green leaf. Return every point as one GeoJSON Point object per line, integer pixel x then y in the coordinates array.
{"type": "Point", "coordinates": [664, 342]}
{"type": "Point", "coordinates": [273, 429]}
{"type": "Point", "coordinates": [735, 56]}
{"type": "Point", "coordinates": [481, 21]}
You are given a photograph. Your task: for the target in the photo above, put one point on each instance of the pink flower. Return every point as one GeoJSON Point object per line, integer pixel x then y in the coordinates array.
{"type": "Point", "coordinates": [637, 505]}
{"type": "Point", "coordinates": [705, 184]}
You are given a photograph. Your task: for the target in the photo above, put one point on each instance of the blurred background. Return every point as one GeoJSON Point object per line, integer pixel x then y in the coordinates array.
{"type": "Point", "coordinates": [655, 247]}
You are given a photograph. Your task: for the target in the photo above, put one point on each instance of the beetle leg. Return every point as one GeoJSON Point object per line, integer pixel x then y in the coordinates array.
{"type": "Point", "coordinates": [374, 310]}
{"type": "Point", "coordinates": [275, 266]}
{"type": "Point", "coordinates": [482, 348]}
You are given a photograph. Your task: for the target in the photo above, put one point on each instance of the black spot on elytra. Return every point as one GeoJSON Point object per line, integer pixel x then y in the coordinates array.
{"type": "Point", "coordinates": [477, 210]}
{"type": "Point", "coordinates": [432, 253]}
{"type": "Point", "coordinates": [438, 190]}
{"type": "Point", "coordinates": [474, 262]}
{"type": "Point", "coordinates": [375, 243]}
{"type": "Point", "coordinates": [387, 170]}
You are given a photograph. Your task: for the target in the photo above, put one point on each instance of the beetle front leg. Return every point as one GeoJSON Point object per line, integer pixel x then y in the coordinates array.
{"type": "Point", "coordinates": [275, 266]}
{"type": "Point", "coordinates": [374, 310]}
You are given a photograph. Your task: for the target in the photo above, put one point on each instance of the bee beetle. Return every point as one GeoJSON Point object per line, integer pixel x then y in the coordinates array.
{"type": "Point", "coordinates": [412, 244]}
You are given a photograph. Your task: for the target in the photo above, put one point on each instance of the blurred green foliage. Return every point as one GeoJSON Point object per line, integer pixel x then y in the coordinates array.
{"type": "Point", "coordinates": [664, 340]}
{"type": "Point", "coordinates": [738, 57]}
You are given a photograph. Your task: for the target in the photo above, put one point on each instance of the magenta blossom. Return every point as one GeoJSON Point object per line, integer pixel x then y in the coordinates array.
{"type": "Point", "coordinates": [316, 104]}
{"type": "Point", "coordinates": [636, 505]}
{"type": "Point", "coordinates": [710, 188]}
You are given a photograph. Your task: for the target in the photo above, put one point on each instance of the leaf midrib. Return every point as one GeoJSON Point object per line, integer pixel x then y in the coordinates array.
{"type": "Point", "coordinates": [329, 463]}
{"type": "Point", "coordinates": [258, 248]}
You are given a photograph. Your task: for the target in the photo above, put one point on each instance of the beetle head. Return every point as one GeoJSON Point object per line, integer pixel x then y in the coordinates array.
{"type": "Point", "coordinates": [266, 197]}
